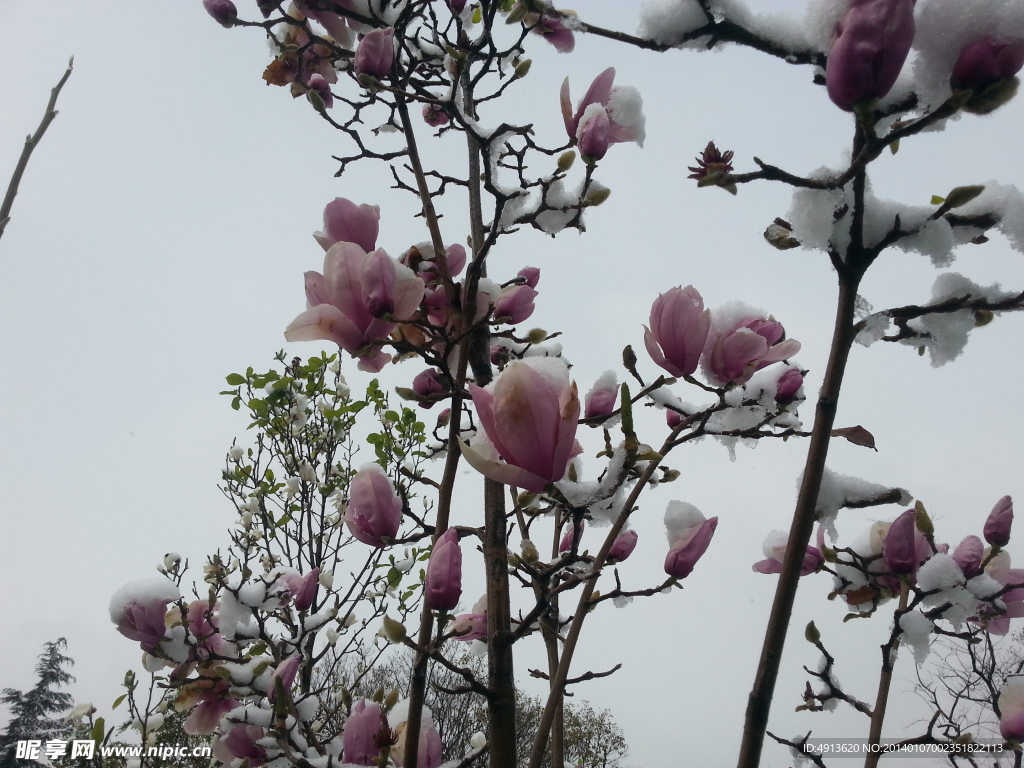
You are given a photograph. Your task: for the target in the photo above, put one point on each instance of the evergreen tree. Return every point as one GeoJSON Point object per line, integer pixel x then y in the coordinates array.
{"type": "Point", "coordinates": [32, 712]}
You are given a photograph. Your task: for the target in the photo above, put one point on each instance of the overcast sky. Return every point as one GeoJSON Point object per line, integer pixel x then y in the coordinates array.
{"type": "Point", "coordinates": [158, 244]}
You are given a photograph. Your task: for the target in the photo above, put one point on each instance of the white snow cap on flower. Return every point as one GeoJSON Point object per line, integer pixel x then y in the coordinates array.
{"type": "Point", "coordinates": [939, 572]}
{"type": "Point", "coordinates": [680, 518]}
{"type": "Point", "coordinates": [142, 592]}
{"type": "Point", "coordinates": [917, 629]}
{"type": "Point", "coordinates": [946, 27]}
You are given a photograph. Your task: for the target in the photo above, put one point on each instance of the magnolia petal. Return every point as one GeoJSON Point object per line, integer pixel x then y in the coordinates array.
{"type": "Point", "coordinates": [325, 322]}
{"type": "Point", "coordinates": [504, 473]}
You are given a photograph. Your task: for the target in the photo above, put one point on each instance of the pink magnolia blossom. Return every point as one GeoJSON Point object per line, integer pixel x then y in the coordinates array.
{"type": "Point", "coordinates": [621, 106]}
{"type": "Point", "coordinates": [553, 30]}
{"type": "Point", "coordinates": [997, 526]}
{"type": "Point", "coordinates": [205, 717]}
{"type": "Point", "coordinates": [374, 512]}
{"type": "Point", "coordinates": [573, 534]}
{"type": "Point", "coordinates": [531, 275]}
{"type": "Point", "coordinates": [338, 27]}
{"type": "Point", "coordinates": [601, 399]}
{"type": "Point", "coordinates": [435, 116]}
{"type": "Point", "coordinates": [775, 545]}
{"type": "Point", "coordinates": [283, 677]}
{"type": "Point", "coordinates": [375, 54]}
{"type": "Point", "coordinates": [592, 133]}
{"type": "Point", "coordinates": [1011, 708]}
{"type": "Point", "coordinates": [301, 588]}
{"type": "Point", "coordinates": [679, 330]}
{"type": "Point", "coordinates": [514, 304]}
{"type": "Point", "coordinates": [344, 221]}
{"type": "Point", "coordinates": [529, 414]}
{"type": "Point", "coordinates": [223, 12]}
{"type": "Point", "coordinates": [360, 737]}
{"type": "Point", "coordinates": [322, 88]}
{"type": "Point", "coordinates": [1013, 599]}
{"type": "Point", "coordinates": [428, 751]}
{"type": "Point", "coordinates": [204, 629]}
{"type": "Point", "coordinates": [472, 625]}
{"type": "Point", "coordinates": [689, 534]}
{"type": "Point", "coordinates": [985, 62]}
{"type": "Point", "coordinates": [623, 546]}
{"type": "Point", "coordinates": [139, 610]}
{"type": "Point", "coordinates": [443, 585]}
{"type": "Point", "coordinates": [241, 742]}
{"type": "Point", "coordinates": [968, 556]}
{"type": "Point", "coordinates": [871, 45]}
{"type": "Point", "coordinates": [427, 384]}
{"type": "Point", "coordinates": [356, 302]}
{"type": "Point", "coordinates": [788, 386]}
{"type": "Point", "coordinates": [905, 547]}
{"type": "Point", "coordinates": [754, 343]}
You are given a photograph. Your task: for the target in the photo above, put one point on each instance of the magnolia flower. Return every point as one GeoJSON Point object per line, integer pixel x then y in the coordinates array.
{"type": "Point", "coordinates": [968, 556]}
{"type": "Point", "coordinates": [552, 30]}
{"type": "Point", "coordinates": [344, 221]}
{"type": "Point", "coordinates": [214, 702]}
{"type": "Point", "coordinates": [623, 546]}
{"type": "Point", "coordinates": [788, 386]}
{"type": "Point", "coordinates": [600, 400]}
{"type": "Point", "coordinates": [361, 737]}
{"type": "Point", "coordinates": [375, 54]}
{"type": "Point", "coordinates": [241, 742]}
{"type": "Point", "coordinates": [750, 345]}
{"type": "Point", "coordinates": [529, 414]}
{"type": "Point", "coordinates": [223, 12]}
{"type": "Point", "coordinates": [283, 677]}
{"type": "Point", "coordinates": [473, 625]}
{"type": "Point", "coordinates": [302, 588]}
{"type": "Point", "coordinates": [905, 547]}
{"type": "Point", "coordinates": [443, 585]}
{"type": "Point", "coordinates": [689, 534]}
{"type": "Point", "coordinates": [356, 302]}
{"type": "Point", "coordinates": [1011, 707]}
{"type": "Point", "coordinates": [999, 569]}
{"type": "Point", "coordinates": [985, 62]}
{"type": "Point", "coordinates": [428, 751]}
{"type": "Point", "coordinates": [679, 330]}
{"type": "Point", "coordinates": [435, 116]}
{"type": "Point", "coordinates": [775, 545]}
{"type": "Point", "coordinates": [514, 304]}
{"type": "Point", "coordinates": [573, 534]}
{"type": "Point", "coordinates": [374, 512]}
{"type": "Point", "coordinates": [622, 108]}
{"type": "Point", "coordinates": [139, 609]}
{"type": "Point", "coordinates": [871, 45]}
{"type": "Point", "coordinates": [997, 526]}
{"type": "Point", "coordinates": [427, 384]}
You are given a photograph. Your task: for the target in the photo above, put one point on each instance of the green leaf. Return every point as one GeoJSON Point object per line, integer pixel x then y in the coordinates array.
{"type": "Point", "coordinates": [118, 700]}
{"type": "Point", "coordinates": [235, 379]}
{"type": "Point", "coordinates": [97, 730]}
{"type": "Point", "coordinates": [936, 200]}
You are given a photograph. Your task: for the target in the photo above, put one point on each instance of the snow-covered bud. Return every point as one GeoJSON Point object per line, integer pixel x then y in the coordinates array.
{"type": "Point", "coordinates": [788, 386]}
{"type": "Point", "coordinates": [435, 116]}
{"type": "Point", "coordinates": [223, 12]}
{"type": "Point", "coordinates": [1011, 705]}
{"type": "Point", "coordinates": [320, 89]}
{"type": "Point", "coordinates": [514, 304]}
{"type": "Point", "coordinates": [344, 221]}
{"type": "Point", "coordinates": [622, 105]}
{"type": "Point", "coordinates": [997, 526]}
{"type": "Point", "coordinates": [600, 400]}
{"type": "Point", "coordinates": [968, 555]}
{"type": "Point", "coordinates": [623, 546]}
{"type": "Point", "coordinates": [138, 609]}
{"type": "Point", "coordinates": [986, 62]}
{"type": "Point", "coordinates": [749, 346]}
{"type": "Point", "coordinates": [689, 534]}
{"type": "Point", "coordinates": [900, 548]}
{"type": "Point", "coordinates": [374, 512]}
{"type": "Point", "coordinates": [443, 586]}
{"type": "Point", "coordinates": [673, 418]}
{"type": "Point", "coordinates": [171, 561]}
{"type": "Point", "coordinates": [679, 329]}
{"type": "Point", "coordinates": [375, 54]}
{"type": "Point", "coordinates": [871, 45]}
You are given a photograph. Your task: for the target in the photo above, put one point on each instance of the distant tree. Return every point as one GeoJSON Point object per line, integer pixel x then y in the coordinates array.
{"type": "Point", "coordinates": [32, 712]}
{"type": "Point", "coordinates": [592, 738]}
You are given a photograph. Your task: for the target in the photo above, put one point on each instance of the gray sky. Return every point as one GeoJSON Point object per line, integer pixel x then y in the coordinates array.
{"type": "Point", "coordinates": [159, 240]}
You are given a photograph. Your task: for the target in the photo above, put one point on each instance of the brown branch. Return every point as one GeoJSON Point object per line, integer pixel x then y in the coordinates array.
{"type": "Point", "coordinates": [30, 145]}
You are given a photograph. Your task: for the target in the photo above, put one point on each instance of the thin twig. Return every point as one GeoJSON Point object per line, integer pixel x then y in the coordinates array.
{"type": "Point", "coordinates": [30, 144]}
